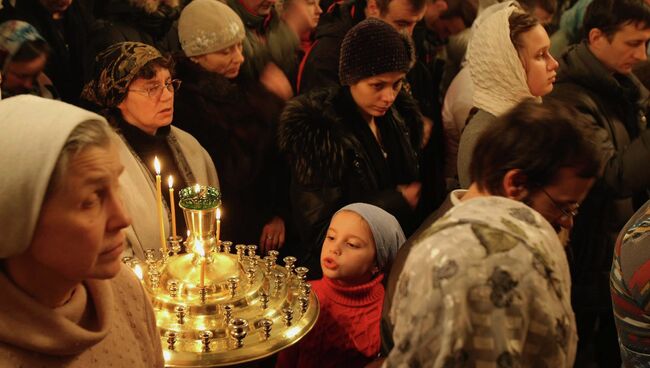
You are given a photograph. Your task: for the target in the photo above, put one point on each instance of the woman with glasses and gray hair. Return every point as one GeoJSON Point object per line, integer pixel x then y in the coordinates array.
{"type": "Point", "coordinates": [134, 88]}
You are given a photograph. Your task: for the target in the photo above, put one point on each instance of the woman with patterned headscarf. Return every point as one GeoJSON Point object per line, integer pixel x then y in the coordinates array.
{"type": "Point", "coordinates": [133, 87]}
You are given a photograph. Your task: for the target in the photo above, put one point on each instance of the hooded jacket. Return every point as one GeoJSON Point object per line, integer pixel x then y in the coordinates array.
{"type": "Point", "coordinates": [614, 105]}
{"type": "Point", "coordinates": [335, 160]}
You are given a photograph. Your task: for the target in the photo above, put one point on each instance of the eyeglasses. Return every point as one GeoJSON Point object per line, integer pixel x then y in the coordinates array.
{"type": "Point", "coordinates": [568, 212]}
{"type": "Point", "coordinates": [156, 90]}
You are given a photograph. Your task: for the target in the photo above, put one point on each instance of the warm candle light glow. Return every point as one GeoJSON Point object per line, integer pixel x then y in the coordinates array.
{"type": "Point", "coordinates": [197, 188]}
{"type": "Point", "coordinates": [138, 271]}
{"type": "Point", "coordinates": [156, 165]}
{"type": "Point", "coordinates": [218, 226]}
{"type": "Point", "coordinates": [170, 182]}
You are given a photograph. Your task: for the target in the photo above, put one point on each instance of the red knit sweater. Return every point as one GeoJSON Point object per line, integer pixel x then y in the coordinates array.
{"type": "Point", "coordinates": [347, 331]}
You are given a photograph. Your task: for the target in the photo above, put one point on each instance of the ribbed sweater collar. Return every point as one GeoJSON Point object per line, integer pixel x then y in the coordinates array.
{"type": "Point", "coordinates": [355, 295]}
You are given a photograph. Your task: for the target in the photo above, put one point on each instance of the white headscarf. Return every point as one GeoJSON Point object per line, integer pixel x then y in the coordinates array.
{"type": "Point", "coordinates": [34, 130]}
{"type": "Point", "coordinates": [498, 76]}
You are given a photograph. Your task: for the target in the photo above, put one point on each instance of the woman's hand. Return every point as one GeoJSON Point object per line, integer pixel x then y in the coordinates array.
{"type": "Point", "coordinates": [411, 193]}
{"type": "Point", "coordinates": [275, 81]}
{"type": "Point", "coordinates": [272, 235]}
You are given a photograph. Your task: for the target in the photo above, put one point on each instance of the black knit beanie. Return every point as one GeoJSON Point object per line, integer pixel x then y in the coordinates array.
{"type": "Point", "coordinates": [373, 47]}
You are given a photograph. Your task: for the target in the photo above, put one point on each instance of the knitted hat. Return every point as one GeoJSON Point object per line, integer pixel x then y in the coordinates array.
{"type": "Point", "coordinates": [35, 131]}
{"type": "Point", "coordinates": [207, 26]}
{"type": "Point", "coordinates": [373, 47]}
{"type": "Point", "coordinates": [13, 34]}
{"type": "Point", "coordinates": [386, 231]}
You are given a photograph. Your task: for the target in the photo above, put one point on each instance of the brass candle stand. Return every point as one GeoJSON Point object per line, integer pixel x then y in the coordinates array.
{"type": "Point", "coordinates": [247, 308]}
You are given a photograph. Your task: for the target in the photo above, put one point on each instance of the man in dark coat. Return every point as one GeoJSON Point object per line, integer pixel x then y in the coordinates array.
{"type": "Point", "coordinates": [596, 77]}
{"type": "Point", "coordinates": [65, 27]}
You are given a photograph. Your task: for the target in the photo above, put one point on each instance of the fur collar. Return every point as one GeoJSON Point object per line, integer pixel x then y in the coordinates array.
{"type": "Point", "coordinates": [314, 135]}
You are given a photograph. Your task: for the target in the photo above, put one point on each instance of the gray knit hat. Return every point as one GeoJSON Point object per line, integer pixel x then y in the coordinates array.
{"type": "Point", "coordinates": [386, 231]}
{"type": "Point", "coordinates": [374, 47]}
{"type": "Point", "coordinates": [207, 26]}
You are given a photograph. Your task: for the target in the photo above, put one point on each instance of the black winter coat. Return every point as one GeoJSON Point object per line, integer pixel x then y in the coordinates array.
{"type": "Point", "coordinates": [237, 126]}
{"type": "Point", "coordinates": [335, 160]}
{"type": "Point", "coordinates": [614, 106]}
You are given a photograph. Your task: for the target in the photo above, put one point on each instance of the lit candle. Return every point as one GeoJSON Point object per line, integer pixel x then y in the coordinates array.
{"type": "Point", "coordinates": [170, 182]}
{"type": "Point", "coordinates": [156, 165]}
{"type": "Point", "coordinates": [218, 225]}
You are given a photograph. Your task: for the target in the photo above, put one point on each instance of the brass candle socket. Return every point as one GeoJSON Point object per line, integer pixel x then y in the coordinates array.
{"type": "Point", "coordinates": [274, 255]}
{"type": "Point", "coordinates": [206, 337]}
{"type": "Point", "coordinates": [268, 264]}
{"type": "Point", "coordinates": [241, 249]}
{"type": "Point", "coordinates": [264, 300]}
{"type": "Point", "coordinates": [266, 325]}
{"type": "Point", "coordinates": [289, 264]}
{"type": "Point", "coordinates": [171, 340]}
{"type": "Point", "coordinates": [238, 328]}
{"type": "Point", "coordinates": [226, 246]}
{"type": "Point", "coordinates": [227, 313]}
{"type": "Point", "coordinates": [251, 250]}
{"type": "Point", "coordinates": [172, 288]}
{"type": "Point", "coordinates": [287, 316]}
{"type": "Point", "coordinates": [232, 285]}
{"type": "Point", "coordinates": [203, 293]}
{"type": "Point", "coordinates": [304, 303]}
{"type": "Point", "coordinates": [180, 314]}
{"type": "Point", "coordinates": [174, 244]}
{"type": "Point", "coordinates": [278, 278]}
{"type": "Point", "coordinates": [301, 273]}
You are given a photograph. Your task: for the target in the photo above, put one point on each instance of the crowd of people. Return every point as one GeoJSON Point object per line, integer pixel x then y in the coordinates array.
{"type": "Point", "coordinates": [466, 180]}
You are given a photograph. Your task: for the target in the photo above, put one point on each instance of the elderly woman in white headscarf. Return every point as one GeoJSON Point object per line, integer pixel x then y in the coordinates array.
{"type": "Point", "coordinates": [509, 60]}
{"type": "Point", "coordinates": [67, 298]}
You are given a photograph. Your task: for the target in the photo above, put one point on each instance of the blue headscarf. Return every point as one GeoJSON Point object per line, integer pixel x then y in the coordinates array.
{"type": "Point", "coordinates": [385, 229]}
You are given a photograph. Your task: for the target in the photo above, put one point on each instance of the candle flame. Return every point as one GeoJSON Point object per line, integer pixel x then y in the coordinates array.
{"type": "Point", "coordinates": [156, 165]}
{"type": "Point", "coordinates": [188, 233]}
{"type": "Point", "coordinates": [198, 248]}
{"type": "Point", "coordinates": [197, 188]}
{"type": "Point", "coordinates": [218, 213]}
{"type": "Point", "coordinates": [138, 271]}
{"type": "Point", "coordinates": [170, 182]}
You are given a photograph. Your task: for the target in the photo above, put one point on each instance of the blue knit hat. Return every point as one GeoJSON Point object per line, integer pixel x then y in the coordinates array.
{"type": "Point", "coordinates": [386, 231]}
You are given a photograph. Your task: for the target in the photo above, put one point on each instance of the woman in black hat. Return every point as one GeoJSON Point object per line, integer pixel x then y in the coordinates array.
{"type": "Point", "coordinates": [355, 143]}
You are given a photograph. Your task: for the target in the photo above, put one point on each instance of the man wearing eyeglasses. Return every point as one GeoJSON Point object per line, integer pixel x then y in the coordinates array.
{"type": "Point", "coordinates": [596, 77]}
{"type": "Point", "coordinates": [488, 283]}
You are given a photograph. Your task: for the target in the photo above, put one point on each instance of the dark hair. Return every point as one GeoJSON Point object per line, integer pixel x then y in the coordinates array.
{"type": "Point", "coordinates": [148, 71]}
{"type": "Point", "coordinates": [538, 139]}
{"type": "Point", "coordinates": [610, 15]}
{"type": "Point", "coordinates": [549, 6]}
{"type": "Point", "coordinates": [416, 5]}
{"type": "Point", "coordinates": [30, 50]}
{"type": "Point", "coordinates": [520, 23]}
{"type": "Point", "coordinates": [463, 9]}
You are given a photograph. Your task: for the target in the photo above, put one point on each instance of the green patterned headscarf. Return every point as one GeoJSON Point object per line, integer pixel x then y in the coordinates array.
{"type": "Point", "coordinates": [115, 68]}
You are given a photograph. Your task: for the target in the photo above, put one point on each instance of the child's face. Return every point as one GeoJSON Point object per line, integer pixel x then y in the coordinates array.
{"type": "Point", "coordinates": [348, 253]}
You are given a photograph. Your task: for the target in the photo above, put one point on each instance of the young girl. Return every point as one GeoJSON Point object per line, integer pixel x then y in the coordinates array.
{"type": "Point", "coordinates": [361, 241]}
